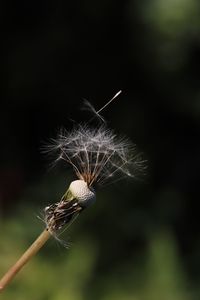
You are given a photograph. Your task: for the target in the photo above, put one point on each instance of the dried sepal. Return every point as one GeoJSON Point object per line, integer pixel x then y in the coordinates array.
{"type": "Point", "coordinates": [78, 197]}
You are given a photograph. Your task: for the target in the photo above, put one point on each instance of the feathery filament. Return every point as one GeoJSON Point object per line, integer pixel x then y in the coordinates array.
{"type": "Point", "coordinates": [96, 154]}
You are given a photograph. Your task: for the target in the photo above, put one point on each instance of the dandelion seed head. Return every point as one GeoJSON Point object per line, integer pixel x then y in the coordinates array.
{"type": "Point", "coordinates": [97, 155]}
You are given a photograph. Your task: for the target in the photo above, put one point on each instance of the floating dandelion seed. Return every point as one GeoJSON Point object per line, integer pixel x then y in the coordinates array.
{"type": "Point", "coordinates": [97, 155]}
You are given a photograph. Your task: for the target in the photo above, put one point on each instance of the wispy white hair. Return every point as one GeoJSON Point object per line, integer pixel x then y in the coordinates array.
{"type": "Point", "coordinates": [96, 154]}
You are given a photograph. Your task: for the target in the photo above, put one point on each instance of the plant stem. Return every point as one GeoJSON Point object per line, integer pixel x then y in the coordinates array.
{"type": "Point", "coordinates": [31, 251]}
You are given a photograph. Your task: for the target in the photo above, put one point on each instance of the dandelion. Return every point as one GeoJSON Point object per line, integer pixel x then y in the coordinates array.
{"type": "Point", "coordinates": [97, 156]}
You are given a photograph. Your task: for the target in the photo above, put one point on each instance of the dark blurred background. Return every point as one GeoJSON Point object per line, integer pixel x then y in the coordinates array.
{"type": "Point", "coordinates": [140, 240]}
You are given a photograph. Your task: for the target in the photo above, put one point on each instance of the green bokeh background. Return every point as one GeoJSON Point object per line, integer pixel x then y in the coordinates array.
{"type": "Point", "coordinates": [140, 240]}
